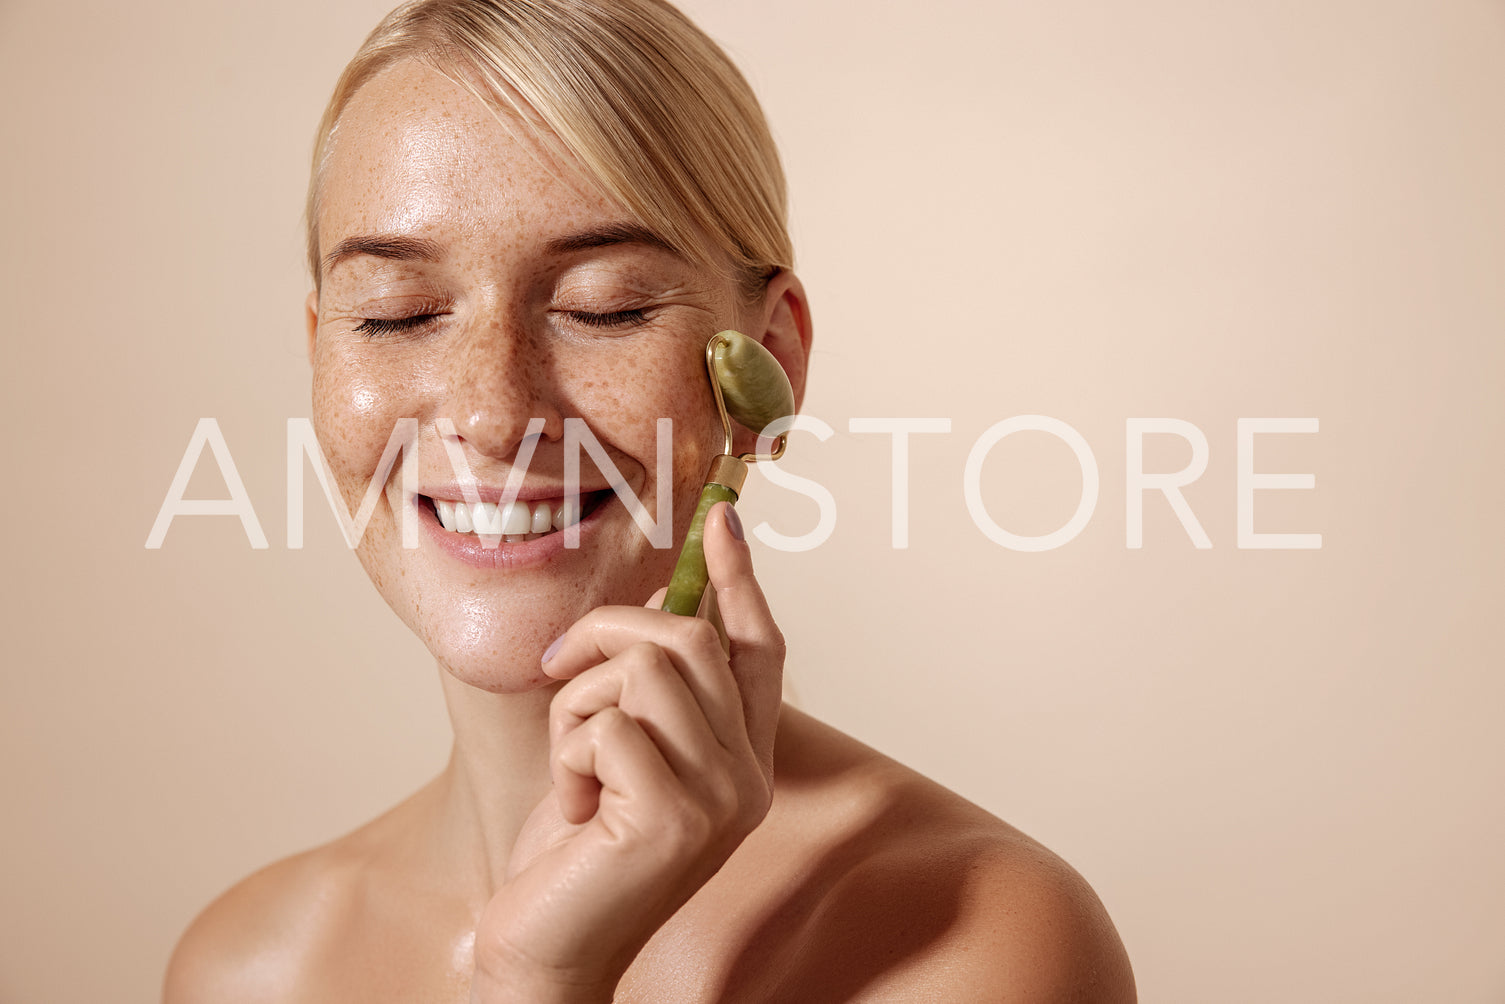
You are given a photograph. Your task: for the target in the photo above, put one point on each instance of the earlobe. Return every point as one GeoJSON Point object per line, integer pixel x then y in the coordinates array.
{"type": "Point", "coordinates": [311, 318]}
{"type": "Point", "coordinates": [787, 331]}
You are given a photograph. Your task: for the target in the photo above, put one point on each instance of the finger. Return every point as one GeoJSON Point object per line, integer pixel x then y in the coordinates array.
{"type": "Point", "coordinates": [644, 683]}
{"type": "Point", "coordinates": [609, 755]}
{"type": "Point", "coordinates": [692, 646]}
{"type": "Point", "coordinates": [711, 613]}
{"type": "Point", "coordinates": [757, 645]}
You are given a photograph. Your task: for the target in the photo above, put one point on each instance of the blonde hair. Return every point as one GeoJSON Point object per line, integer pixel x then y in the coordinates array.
{"type": "Point", "coordinates": [650, 108]}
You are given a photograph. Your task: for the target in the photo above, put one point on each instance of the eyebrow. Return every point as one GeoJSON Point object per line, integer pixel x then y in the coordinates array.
{"type": "Point", "coordinates": [609, 235]}
{"type": "Point", "coordinates": [392, 246]}
{"type": "Point", "coordinates": [397, 247]}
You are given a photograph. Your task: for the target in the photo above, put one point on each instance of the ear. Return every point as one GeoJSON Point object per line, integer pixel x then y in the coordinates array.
{"type": "Point", "coordinates": [311, 318]}
{"type": "Point", "coordinates": [785, 329]}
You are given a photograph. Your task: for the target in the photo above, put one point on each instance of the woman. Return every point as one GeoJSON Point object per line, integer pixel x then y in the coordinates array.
{"type": "Point", "coordinates": [525, 213]}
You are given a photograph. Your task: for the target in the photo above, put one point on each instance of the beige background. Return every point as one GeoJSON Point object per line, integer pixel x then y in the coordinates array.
{"type": "Point", "coordinates": [1282, 770]}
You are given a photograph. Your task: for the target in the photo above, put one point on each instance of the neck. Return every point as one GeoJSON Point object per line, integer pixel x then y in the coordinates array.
{"type": "Point", "coordinates": [497, 774]}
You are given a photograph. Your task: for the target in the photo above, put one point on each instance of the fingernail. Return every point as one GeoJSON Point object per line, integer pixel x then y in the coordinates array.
{"type": "Point", "coordinates": [548, 653]}
{"type": "Point", "coordinates": [734, 522]}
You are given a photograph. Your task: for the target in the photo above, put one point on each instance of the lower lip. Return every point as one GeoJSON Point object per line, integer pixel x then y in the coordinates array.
{"type": "Point", "coordinates": [469, 548]}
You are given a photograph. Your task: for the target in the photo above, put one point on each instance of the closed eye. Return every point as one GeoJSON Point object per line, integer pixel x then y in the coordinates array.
{"type": "Point", "coordinates": [615, 319]}
{"type": "Point", "coordinates": [376, 326]}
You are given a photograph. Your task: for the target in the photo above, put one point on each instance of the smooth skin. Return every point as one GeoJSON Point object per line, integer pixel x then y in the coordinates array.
{"type": "Point", "coordinates": [630, 813]}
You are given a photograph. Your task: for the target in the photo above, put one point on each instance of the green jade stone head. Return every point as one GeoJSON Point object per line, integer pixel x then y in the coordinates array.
{"type": "Point", "coordinates": [754, 386]}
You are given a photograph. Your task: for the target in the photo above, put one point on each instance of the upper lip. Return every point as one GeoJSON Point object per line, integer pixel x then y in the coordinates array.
{"type": "Point", "coordinates": [457, 492]}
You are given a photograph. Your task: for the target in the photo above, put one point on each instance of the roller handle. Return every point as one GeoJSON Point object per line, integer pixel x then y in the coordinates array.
{"type": "Point", "coordinates": [687, 584]}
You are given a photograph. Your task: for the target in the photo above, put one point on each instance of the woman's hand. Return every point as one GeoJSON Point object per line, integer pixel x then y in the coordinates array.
{"type": "Point", "coordinates": [662, 763]}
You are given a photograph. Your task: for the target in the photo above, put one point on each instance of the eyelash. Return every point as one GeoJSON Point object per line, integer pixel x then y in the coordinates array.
{"type": "Point", "coordinates": [375, 327]}
{"type": "Point", "coordinates": [615, 319]}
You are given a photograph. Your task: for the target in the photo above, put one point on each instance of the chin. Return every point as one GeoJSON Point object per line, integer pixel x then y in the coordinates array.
{"type": "Point", "coordinates": [492, 634]}
{"type": "Point", "coordinates": [490, 645]}
{"type": "Point", "coordinates": [496, 643]}
{"type": "Point", "coordinates": [495, 678]}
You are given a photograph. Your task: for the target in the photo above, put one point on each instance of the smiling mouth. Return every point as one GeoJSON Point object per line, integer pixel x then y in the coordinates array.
{"type": "Point", "coordinates": [514, 522]}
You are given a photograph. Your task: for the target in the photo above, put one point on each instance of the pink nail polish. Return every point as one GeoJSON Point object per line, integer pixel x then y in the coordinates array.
{"type": "Point", "coordinates": [549, 652]}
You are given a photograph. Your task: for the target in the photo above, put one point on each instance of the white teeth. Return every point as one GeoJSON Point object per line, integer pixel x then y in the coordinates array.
{"type": "Point", "coordinates": [483, 516]}
{"type": "Point", "coordinates": [516, 519]}
{"type": "Point", "coordinates": [542, 519]}
{"type": "Point", "coordinates": [514, 522]}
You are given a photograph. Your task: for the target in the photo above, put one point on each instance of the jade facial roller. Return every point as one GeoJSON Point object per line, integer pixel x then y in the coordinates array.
{"type": "Point", "coordinates": [750, 387]}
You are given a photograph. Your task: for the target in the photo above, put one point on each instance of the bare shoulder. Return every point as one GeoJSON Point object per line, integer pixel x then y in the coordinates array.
{"type": "Point", "coordinates": [927, 896]}
{"type": "Point", "coordinates": [259, 939]}
{"type": "Point", "coordinates": [1026, 926]}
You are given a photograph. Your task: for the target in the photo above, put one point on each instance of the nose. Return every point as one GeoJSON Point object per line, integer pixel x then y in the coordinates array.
{"type": "Point", "coordinates": [497, 378]}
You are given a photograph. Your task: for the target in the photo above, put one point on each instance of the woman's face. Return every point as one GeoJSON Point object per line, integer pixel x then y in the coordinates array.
{"type": "Point", "coordinates": [468, 278]}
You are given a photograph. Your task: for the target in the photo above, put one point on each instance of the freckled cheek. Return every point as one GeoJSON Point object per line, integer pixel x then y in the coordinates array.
{"type": "Point", "coordinates": [625, 401]}
{"type": "Point", "coordinates": [697, 434]}
{"type": "Point", "coordinates": [354, 415]}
